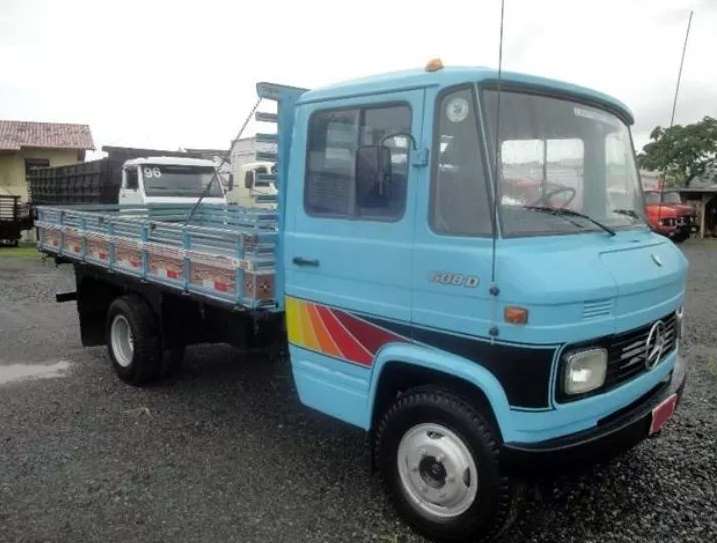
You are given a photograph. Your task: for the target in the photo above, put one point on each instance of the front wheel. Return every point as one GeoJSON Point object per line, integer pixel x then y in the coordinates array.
{"type": "Point", "coordinates": [438, 457]}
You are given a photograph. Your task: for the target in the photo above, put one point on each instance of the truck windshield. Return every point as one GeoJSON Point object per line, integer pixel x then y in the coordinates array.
{"type": "Point", "coordinates": [652, 198]}
{"type": "Point", "coordinates": [171, 180]}
{"type": "Point", "coordinates": [556, 154]}
{"type": "Point", "coordinates": [672, 198]}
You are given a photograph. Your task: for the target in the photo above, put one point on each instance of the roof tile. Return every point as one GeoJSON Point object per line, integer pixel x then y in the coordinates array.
{"type": "Point", "coordinates": [17, 134]}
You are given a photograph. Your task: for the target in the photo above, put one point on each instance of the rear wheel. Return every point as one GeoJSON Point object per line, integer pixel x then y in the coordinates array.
{"type": "Point", "coordinates": [438, 457]}
{"type": "Point", "coordinates": [133, 340]}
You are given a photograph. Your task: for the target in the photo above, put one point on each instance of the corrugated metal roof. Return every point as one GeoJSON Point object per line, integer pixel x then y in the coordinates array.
{"type": "Point", "coordinates": [17, 134]}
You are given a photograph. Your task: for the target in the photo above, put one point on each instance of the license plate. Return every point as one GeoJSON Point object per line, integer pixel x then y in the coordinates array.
{"type": "Point", "coordinates": [662, 413]}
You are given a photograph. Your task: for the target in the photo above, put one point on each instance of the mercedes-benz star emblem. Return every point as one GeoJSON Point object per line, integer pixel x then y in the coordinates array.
{"type": "Point", "coordinates": [655, 344]}
{"type": "Point", "coordinates": [656, 259]}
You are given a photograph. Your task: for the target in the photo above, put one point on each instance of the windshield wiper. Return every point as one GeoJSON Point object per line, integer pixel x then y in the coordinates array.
{"type": "Point", "coordinates": [562, 212]}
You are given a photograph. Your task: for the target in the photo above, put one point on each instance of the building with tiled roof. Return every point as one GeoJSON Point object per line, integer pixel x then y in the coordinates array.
{"type": "Point", "coordinates": [25, 146]}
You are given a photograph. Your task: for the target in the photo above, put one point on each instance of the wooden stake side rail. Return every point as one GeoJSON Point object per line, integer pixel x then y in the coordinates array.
{"type": "Point", "coordinates": [226, 253]}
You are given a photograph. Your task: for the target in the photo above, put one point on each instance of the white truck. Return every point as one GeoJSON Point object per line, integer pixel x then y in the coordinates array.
{"type": "Point", "coordinates": [170, 180]}
{"type": "Point", "coordinates": [138, 181]}
{"type": "Point", "coordinates": [255, 186]}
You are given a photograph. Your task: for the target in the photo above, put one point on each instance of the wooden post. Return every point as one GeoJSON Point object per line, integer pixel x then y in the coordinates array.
{"type": "Point", "coordinates": [703, 212]}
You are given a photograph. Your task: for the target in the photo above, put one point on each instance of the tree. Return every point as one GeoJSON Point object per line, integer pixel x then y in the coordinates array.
{"type": "Point", "coordinates": [683, 153]}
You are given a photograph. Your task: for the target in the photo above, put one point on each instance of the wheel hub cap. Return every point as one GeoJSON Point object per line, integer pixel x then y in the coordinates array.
{"type": "Point", "coordinates": [122, 341]}
{"type": "Point", "coordinates": [437, 471]}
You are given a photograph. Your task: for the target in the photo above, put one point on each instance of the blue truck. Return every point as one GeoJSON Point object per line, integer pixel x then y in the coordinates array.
{"type": "Point", "coordinates": [458, 261]}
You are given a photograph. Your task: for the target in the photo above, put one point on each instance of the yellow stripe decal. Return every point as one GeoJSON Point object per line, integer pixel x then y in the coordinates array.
{"type": "Point", "coordinates": [293, 320]}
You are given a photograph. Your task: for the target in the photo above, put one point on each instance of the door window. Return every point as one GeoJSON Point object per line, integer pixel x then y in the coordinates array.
{"type": "Point", "coordinates": [132, 181]}
{"type": "Point", "coordinates": [460, 203]}
{"type": "Point", "coordinates": [373, 141]}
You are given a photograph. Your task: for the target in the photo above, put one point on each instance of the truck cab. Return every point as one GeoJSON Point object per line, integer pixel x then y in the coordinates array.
{"type": "Point", "coordinates": [167, 180]}
{"type": "Point", "coordinates": [452, 230]}
{"type": "Point", "coordinates": [669, 216]}
{"type": "Point", "coordinates": [255, 186]}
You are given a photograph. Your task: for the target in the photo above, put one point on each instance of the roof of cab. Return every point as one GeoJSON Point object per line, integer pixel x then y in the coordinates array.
{"type": "Point", "coordinates": [169, 160]}
{"type": "Point", "coordinates": [449, 76]}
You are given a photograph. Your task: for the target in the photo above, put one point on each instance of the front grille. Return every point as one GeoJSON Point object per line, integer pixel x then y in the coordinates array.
{"type": "Point", "coordinates": [627, 352]}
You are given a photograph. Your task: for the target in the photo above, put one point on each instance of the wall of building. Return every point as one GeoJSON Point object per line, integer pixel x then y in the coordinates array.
{"type": "Point", "coordinates": [12, 166]}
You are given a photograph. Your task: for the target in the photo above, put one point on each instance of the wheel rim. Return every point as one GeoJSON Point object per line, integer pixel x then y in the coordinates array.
{"type": "Point", "coordinates": [437, 471]}
{"type": "Point", "coordinates": [122, 340]}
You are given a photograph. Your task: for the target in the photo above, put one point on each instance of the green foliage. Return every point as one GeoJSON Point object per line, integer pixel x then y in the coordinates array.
{"type": "Point", "coordinates": [24, 251]}
{"type": "Point", "coordinates": [683, 153]}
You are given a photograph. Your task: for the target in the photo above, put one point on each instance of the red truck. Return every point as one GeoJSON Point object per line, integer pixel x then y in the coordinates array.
{"type": "Point", "coordinates": [669, 216]}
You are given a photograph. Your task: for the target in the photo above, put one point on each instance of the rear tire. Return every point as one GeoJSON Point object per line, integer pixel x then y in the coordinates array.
{"type": "Point", "coordinates": [439, 458]}
{"type": "Point", "coordinates": [133, 341]}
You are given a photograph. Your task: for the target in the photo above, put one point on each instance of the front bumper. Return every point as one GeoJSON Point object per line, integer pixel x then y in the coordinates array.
{"type": "Point", "coordinates": [613, 434]}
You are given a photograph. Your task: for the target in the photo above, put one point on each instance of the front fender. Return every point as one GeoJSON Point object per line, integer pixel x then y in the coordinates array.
{"type": "Point", "coordinates": [450, 364]}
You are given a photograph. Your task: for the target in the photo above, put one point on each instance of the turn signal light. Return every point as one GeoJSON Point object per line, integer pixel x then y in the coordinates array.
{"type": "Point", "coordinates": [515, 315]}
{"type": "Point", "coordinates": [434, 65]}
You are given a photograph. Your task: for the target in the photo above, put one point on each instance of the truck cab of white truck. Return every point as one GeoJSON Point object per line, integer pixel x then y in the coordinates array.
{"type": "Point", "coordinates": [255, 186]}
{"type": "Point", "coordinates": [170, 180]}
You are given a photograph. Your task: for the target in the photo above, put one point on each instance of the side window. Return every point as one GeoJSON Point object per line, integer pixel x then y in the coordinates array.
{"type": "Point", "coordinates": [460, 204]}
{"type": "Point", "coordinates": [357, 162]}
{"type": "Point", "coordinates": [249, 179]}
{"type": "Point", "coordinates": [32, 164]}
{"type": "Point", "coordinates": [132, 182]}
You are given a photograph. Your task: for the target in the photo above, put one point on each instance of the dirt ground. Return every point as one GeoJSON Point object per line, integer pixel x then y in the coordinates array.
{"type": "Point", "coordinates": [225, 452]}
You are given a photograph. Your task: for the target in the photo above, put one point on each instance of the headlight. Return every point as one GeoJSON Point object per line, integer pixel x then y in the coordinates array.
{"type": "Point", "coordinates": [584, 370]}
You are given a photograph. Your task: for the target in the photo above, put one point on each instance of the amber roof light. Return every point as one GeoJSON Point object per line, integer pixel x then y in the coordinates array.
{"type": "Point", "coordinates": [434, 65]}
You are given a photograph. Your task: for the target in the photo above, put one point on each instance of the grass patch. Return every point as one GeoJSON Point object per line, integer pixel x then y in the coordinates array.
{"type": "Point", "coordinates": [25, 250]}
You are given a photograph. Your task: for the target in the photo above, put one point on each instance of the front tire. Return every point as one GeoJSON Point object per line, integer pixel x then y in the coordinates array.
{"type": "Point", "coordinates": [133, 341]}
{"type": "Point", "coordinates": [439, 458]}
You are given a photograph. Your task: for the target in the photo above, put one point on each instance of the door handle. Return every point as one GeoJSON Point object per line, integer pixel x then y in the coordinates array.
{"type": "Point", "coordinates": [301, 261]}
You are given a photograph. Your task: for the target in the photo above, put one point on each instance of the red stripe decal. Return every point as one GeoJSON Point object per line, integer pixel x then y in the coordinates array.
{"type": "Point", "coordinates": [351, 348]}
{"type": "Point", "coordinates": [371, 336]}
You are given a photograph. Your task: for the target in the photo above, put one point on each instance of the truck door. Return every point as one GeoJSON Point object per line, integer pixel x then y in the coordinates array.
{"type": "Point", "coordinates": [452, 254]}
{"type": "Point", "coordinates": [348, 242]}
{"type": "Point", "coordinates": [130, 191]}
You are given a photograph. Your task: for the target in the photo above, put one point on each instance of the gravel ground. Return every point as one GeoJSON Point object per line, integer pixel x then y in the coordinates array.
{"type": "Point", "coordinates": [225, 452]}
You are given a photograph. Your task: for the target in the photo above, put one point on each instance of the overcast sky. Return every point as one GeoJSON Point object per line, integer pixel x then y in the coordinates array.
{"type": "Point", "coordinates": [181, 74]}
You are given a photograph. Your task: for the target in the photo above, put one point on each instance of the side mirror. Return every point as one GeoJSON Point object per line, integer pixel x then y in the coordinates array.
{"type": "Point", "coordinates": [373, 175]}
{"type": "Point", "coordinates": [249, 179]}
{"type": "Point", "coordinates": [230, 182]}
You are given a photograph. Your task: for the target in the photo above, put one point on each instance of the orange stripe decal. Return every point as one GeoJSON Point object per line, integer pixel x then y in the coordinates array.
{"type": "Point", "coordinates": [310, 340]}
{"type": "Point", "coordinates": [328, 346]}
